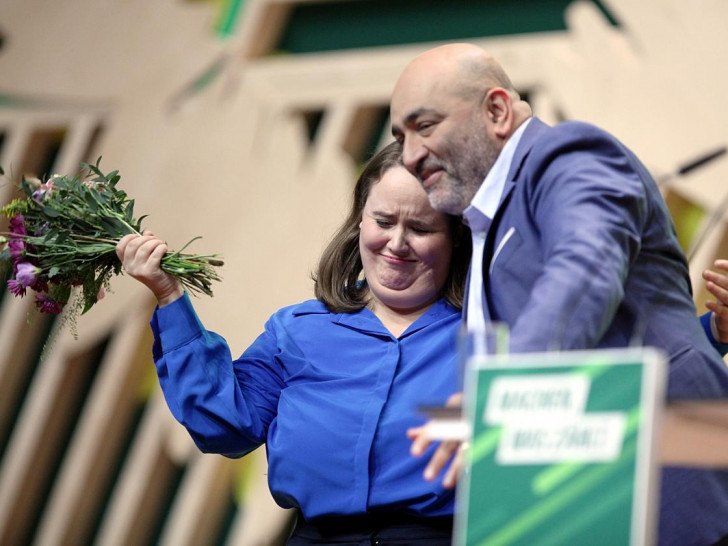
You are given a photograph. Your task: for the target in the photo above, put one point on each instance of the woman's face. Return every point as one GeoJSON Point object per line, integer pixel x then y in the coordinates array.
{"type": "Point", "coordinates": [405, 244]}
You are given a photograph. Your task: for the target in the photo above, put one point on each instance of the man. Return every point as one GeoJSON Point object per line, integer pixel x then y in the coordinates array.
{"type": "Point", "coordinates": [573, 246]}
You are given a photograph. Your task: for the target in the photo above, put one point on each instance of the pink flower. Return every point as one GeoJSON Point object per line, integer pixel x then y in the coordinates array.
{"type": "Point", "coordinates": [40, 193]}
{"type": "Point", "coordinates": [47, 305]}
{"type": "Point", "coordinates": [26, 273]}
{"type": "Point", "coordinates": [16, 289]}
{"type": "Point", "coordinates": [94, 185]}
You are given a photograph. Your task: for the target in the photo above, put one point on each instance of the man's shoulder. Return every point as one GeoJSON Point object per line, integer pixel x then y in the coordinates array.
{"type": "Point", "coordinates": [543, 143]}
{"type": "Point", "coordinates": [570, 131]}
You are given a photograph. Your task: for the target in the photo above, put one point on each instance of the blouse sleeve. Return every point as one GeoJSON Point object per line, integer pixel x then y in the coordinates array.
{"type": "Point", "coordinates": [225, 405]}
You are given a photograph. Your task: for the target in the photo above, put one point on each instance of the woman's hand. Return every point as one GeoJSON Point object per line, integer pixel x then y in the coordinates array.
{"type": "Point", "coordinates": [141, 256]}
{"type": "Point", "coordinates": [717, 284]}
{"type": "Point", "coordinates": [449, 451]}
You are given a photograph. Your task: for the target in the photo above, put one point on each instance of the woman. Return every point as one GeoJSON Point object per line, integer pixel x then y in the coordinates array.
{"type": "Point", "coordinates": [332, 384]}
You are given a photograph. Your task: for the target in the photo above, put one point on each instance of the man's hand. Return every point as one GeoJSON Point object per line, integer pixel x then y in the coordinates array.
{"type": "Point", "coordinates": [448, 450]}
{"type": "Point", "coordinates": [141, 256]}
{"type": "Point", "coordinates": [717, 284]}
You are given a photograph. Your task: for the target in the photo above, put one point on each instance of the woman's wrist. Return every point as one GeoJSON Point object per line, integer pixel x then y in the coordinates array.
{"type": "Point", "coordinates": [172, 296]}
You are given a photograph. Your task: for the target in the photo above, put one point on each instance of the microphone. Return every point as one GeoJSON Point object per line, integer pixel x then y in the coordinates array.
{"type": "Point", "coordinates": [691, 166]}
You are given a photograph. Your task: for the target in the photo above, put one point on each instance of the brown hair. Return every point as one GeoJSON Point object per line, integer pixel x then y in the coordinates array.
{"type": "Point", "coordinates": [336, 280]}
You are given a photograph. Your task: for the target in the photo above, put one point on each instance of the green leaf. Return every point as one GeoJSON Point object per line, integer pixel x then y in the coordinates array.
{"type": "Point", "coordinates": [113, 227]}
{"type": "Point", "coordinates": [50, 211]}
{"type": "Point", "coordinates": [25, 187]}
{"type": "Point", "coordinates": [62, 292]}
{"type": "Point", "coordinates": [95, 168]}
{"type": "Point", "coordinates": [50, 235]}
{"type": "Point", "coordinates": [91, 202]}
{"type": "Point", "coordinates": [88, 302]}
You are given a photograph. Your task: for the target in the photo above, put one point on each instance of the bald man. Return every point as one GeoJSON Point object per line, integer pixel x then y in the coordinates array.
{"type": "Point", "coordinates": [573, 246]}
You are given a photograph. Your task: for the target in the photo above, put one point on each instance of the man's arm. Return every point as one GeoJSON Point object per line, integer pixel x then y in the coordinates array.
{"type": "Point", "coordinates": [588, 211]}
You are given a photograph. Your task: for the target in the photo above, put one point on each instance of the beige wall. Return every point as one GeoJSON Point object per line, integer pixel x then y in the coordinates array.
{"type": "Point", "coordinates": [231, 163]}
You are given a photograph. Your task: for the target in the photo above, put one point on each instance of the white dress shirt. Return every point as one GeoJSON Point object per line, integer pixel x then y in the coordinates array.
{"type": "Point", "coordinates": [478, 217]}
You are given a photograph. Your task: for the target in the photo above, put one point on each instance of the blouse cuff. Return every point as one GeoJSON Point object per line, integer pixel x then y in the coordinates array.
{"type": "Point", "coordinates": [176, 324]}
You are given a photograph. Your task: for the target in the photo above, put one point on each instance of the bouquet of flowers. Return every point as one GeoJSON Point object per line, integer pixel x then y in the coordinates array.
{"type": "Point", "coordinates": [63, 235]}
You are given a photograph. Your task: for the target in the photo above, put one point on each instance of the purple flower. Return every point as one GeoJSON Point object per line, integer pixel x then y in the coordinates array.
{"type": "Point", "coordinates": [47, 305]}
{"type": "Point", "coordinates": [17, 249]}
{"type": "Point", "coordinates": [26, 273]}
{"type": "Point", "coordinates": [16, 288]}
{"type": "Point", "coordinates": [17, 226]}
{"type": "Point", "coordinates": [40, 285]}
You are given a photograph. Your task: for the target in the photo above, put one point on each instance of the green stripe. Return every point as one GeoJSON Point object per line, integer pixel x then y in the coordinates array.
{"type": "Point", "coordinates": [597, 365]}
{"type": "Point", "coordinates": [540, 512]}
{"type": "Point", "coordinates": [588, 514]}
{"type": "Point", "coordinates": [485, 444]}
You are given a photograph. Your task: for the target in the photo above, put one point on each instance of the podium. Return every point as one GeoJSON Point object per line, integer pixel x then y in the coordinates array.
{"type": "Point", "coordinates": [566, 448]}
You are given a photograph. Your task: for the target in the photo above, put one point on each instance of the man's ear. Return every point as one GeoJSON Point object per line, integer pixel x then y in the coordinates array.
{"type": "Point", "coordinates": [498, 106]}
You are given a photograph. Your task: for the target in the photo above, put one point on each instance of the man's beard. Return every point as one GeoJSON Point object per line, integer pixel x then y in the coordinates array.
{"type": "Point", "coordinates": [463, 175]}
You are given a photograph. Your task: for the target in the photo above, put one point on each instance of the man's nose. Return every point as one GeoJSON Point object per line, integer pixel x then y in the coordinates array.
{"type": "Point", "coordinates": [413, 151]}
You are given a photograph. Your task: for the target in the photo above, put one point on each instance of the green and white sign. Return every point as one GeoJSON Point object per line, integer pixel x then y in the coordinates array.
{"type": "Point", "coordinates": [562, 449]}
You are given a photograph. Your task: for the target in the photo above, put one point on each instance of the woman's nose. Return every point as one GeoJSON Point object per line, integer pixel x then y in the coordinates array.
{"type": "Point", "coordinates": [398, 242]}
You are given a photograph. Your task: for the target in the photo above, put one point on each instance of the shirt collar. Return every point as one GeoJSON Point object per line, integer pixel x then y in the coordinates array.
{"type": "Point", "coordinates": [367, 322]}
{"type": "Point", "coordinates": [486, 199]}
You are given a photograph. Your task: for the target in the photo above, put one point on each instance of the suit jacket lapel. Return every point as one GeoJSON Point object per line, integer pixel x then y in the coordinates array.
{"type": "Point", "coordinates": [535, 128]}
{"type": "Point", "coordinates": [490, 237]}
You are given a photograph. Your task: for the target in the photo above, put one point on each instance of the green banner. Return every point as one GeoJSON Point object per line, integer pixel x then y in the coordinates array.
{"type": "Point", "coordinates": [562, 449]}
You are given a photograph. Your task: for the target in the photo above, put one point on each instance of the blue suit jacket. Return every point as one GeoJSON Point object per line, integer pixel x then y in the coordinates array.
{"type": "Point", "coordinates": [582, 254]}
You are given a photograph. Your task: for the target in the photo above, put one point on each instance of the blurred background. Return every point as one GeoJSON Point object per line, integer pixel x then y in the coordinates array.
{"type": "Point", "coordinates": [246, 122]}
